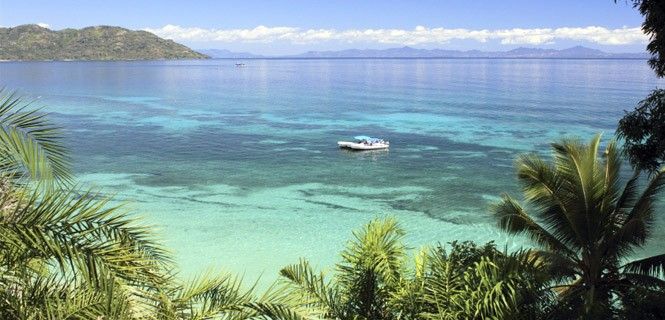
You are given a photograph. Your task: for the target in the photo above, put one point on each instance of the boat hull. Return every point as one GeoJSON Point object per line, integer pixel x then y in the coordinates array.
{"type": "Point", "coordinates": [344, 144]}
{"type": "Point", "coordinates": [362, 146]}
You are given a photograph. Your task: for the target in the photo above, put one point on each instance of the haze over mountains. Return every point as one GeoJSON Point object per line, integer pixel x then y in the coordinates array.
{"type": "Point", "coordinates": [578, 52]}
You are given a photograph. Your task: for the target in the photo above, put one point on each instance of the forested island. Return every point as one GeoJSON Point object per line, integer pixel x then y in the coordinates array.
{"type": "Point", "coordinates": [32, 42]}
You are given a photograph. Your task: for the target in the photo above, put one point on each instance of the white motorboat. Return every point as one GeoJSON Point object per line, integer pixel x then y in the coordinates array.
{"type": "Point", "coordinates": [364, 143]}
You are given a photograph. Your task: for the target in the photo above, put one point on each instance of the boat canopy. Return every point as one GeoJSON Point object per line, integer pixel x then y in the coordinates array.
{"type": "Point", "coordinates": [363, 138]}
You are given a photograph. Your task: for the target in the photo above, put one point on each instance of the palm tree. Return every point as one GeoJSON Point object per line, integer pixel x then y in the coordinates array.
{"type": "Point", "coordinates": [371, 269]}
{"type": "Point", "coordinates": [586, 224]}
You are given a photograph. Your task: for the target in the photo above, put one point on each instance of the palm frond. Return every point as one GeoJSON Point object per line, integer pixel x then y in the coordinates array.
{"type": "Point", "coordinates": [635, 226]}
{"type": "Point", "coordinates": [272, 311]}
{"type": "Point", "coordinates": [311, 291]}
{"type": "Point", "coordinates": [78, 231]}
{"type": "Point", "coordinates": [544, 187]}
{"type": "Point", "coordinates": [54, 297]}
{"type": "Point", "coordinates": [653, 266]}
{"type": "Point", "coordinates": [30, 145]}
{"type": "Point", "coordinates": [583, 187]}
{"type": "Point", "coordinates": [513, 219]}
{"type": "Point", "coordinates": [377, 247]}
{"type": "Point", "coordinates": [206, 296]}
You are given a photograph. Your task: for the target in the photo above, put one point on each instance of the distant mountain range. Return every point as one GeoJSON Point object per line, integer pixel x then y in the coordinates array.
{"type": "Point", "coordinates": [578, 52]}
{"type": "Point", "coordinates": [226, 54]}
{"type": "Point", "coordinates": [32, 42]}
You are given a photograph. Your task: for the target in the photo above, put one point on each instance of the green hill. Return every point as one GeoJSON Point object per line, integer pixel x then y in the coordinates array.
{"type": "Point", "coordinates": [32, 42]}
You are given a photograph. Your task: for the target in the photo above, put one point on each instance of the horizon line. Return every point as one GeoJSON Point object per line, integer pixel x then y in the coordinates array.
{"type": "Point", "coordinates": [261, 55]}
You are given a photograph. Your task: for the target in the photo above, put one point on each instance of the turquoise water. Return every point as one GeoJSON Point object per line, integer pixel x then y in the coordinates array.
{"type": "Point", "coordinates": [239, 169]}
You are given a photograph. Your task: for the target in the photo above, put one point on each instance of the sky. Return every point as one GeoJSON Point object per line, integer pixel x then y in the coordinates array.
{"type": "Point", "coordinates": [288, 27]}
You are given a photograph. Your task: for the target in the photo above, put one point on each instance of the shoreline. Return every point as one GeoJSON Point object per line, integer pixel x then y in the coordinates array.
{"type": "Point", "coordinates": [323, 58]}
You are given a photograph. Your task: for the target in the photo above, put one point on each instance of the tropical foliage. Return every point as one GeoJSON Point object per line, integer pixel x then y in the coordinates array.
{"type": "Point", "coordinates": [376, 280]}
{"type": "Point", "coordinates": [654, 27]}
{"type": "Point", "coordinates": [642, 128]}
{"type": "Point", "coordinates": [587, 223]}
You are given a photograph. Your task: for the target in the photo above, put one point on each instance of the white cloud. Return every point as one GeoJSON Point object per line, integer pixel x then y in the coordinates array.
{"type": "Point", "coordinates": [602, 35]}
{"type": "Point", "coordinates": [43, 25]}
{"type": "Point", "coordinates": [258, 34]}
{"type": "Point", "coordinates": [418, 35]}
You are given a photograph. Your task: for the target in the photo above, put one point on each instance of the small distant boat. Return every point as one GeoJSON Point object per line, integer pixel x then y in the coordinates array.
{"type": "Point", "coordinates": [364, 143]}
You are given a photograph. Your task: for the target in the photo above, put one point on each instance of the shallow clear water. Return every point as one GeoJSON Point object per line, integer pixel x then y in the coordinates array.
{"type": "Point", "coordinates": [239, 166]}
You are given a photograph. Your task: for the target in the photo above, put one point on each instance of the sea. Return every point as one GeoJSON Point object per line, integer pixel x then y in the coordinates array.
{"type": "Point", "coordinates": [238, 170]}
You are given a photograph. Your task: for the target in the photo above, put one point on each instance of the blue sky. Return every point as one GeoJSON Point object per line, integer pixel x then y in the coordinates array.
{"type": "Point", "coordinates": [277, 27]}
